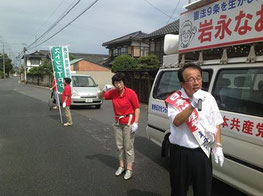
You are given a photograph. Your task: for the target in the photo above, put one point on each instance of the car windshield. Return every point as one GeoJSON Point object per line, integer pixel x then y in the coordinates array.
{"type": "Point", "coordinates": [83, 81]}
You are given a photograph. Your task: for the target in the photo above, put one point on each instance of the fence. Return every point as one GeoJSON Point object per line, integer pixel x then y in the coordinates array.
{"type": "Point", "coordinates": [141, 82]}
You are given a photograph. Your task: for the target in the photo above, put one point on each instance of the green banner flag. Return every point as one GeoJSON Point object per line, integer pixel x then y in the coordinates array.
{"type": "Point", "coordinates": [61, 64]}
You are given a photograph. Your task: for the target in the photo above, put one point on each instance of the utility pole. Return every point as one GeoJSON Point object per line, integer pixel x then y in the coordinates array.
{"type": "Point", "coordinates": [25, 61]}
{"type": "Point", "coordinates": [4, 60]}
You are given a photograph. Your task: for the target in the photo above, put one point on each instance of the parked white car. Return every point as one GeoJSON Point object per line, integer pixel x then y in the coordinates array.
{"type": "Point", "coordinates": [84, 91]}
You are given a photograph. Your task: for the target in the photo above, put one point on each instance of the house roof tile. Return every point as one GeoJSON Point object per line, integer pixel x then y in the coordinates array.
{"type": "Point", "coordinates": [173, 27]}
{"type": "Point", "coordinates": [138, 35]}
{"type": "Point", "coordinates": [75, 61]}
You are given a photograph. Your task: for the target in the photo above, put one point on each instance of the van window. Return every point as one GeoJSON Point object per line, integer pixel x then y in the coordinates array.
{"type": "Point", "coordinates": [168, 82]}
{"type": "Point", "coordinates": [240, 90]}
{"type": "Point", "coordinates": [206, 78]}
{"type": "Point", "coordinates": [83, 81]}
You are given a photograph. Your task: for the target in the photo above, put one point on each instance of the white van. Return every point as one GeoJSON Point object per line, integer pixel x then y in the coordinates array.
{"type": "Point", "coordinates": [238, 89]}
{"type": "Point", "coordinates": [85, 91]}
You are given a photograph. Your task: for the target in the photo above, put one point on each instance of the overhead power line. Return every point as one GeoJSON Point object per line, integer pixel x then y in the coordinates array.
{"type": "Point", "coordinates": [157, 8]}
{"type": "Point", "coordinates": [53, 25]}
{"type": "Point", "coordinates": [173, 12]}
{"type": "Point", "coordinates": [67, 24]}
{"type": "Point", "coordinates": [45, 21]}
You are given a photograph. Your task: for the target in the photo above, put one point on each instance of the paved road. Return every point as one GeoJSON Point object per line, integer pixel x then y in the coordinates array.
{"type": "Point", "coordinates": [41, 157]}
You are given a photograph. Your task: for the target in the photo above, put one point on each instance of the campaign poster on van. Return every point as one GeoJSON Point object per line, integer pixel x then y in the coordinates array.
{"type": "Point", "coordinates": [221, 23]}
{"type": "Point", "coordinates": [61, 64]}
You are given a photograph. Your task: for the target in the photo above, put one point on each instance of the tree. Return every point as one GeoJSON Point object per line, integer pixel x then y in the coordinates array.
{"type": "Point", "coordinates": [124, 62]}
{"type": "Point", "coordinates": [148, 62]}
{"type": "Point", "coordinates": [8, 64]}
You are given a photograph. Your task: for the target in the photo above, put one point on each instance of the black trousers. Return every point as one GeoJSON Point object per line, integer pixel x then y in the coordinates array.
{"type": "Point", "coordinates": [190, 166]}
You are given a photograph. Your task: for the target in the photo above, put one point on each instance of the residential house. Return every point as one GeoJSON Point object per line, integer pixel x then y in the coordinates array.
{"type": "Point", "coordinates": [156, 39]}
{"type": "Point", "coordinates": [131, 44]}
{"type": "Point", "coordinates": [102, 75]}
{"type": "Point", "coordinates": [35, 59]}
{"type": "Point", "coordinates": [86, 65]}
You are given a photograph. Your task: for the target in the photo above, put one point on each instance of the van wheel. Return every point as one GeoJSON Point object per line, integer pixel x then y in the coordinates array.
{"type": "Point", "coordinates": [98, 106]}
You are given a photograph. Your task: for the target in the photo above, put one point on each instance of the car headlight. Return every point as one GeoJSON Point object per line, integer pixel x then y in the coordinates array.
{"type": "Point", "coordinates": [75, 93]}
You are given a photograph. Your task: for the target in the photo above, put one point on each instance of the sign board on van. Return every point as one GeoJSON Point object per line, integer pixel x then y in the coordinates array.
{"type": "Point", "coordinates": [221, 23]}
{"type": "Point", "coordinates": [61, 64]}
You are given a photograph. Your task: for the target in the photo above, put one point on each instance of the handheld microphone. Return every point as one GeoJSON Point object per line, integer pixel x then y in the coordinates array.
{"type": "Point", "coordinates": [199, 105]}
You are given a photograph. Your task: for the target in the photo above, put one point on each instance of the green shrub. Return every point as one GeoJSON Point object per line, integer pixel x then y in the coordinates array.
{"type": "Point", "coordinates": [124, 62]}
{"type": "Point", "coordinates": [148, 62]}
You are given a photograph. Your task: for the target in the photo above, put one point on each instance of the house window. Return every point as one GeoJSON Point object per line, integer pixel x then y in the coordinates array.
{"type": "Point", "coordinates": [124, 50]}
{"type": "Point", "coordinates": [35, 61]}
{"type": "Point", "coordinates": [144, 51]}
{"type": "Point", "coordinates": [115, 52]}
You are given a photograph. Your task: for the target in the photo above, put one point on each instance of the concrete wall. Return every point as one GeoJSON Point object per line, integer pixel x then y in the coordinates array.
{"type": "Point", "coordinates": [40, 81]}
{"type": "Point", "coordinates": [100, 77]}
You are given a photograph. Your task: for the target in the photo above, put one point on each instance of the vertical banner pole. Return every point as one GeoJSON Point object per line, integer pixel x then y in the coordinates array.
{"type": "Point", "coordinates": [61, 69]}
{"type": "Point", "coordinates": [57, 97]}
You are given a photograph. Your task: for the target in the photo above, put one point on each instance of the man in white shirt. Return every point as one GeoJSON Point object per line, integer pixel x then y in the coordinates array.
{"type": "Point", "coordinates": [194, 130]}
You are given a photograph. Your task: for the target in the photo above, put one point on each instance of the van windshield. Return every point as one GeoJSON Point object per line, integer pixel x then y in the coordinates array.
{"type": "Point", "coordinates": [83, 81]}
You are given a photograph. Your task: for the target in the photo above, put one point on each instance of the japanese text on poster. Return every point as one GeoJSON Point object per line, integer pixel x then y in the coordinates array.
{"type": "Point", "coordinates": [221, 23]}
{"type": "Point", "coordinates": [61, 64]}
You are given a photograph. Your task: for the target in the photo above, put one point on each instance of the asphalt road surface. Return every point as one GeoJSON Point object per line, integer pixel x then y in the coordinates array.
{"type": "Point", "coordinates": [38, 156]}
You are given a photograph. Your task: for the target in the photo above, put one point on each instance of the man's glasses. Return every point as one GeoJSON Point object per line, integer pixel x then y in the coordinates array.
{"type": "Point", "coordinates": [192, 80]}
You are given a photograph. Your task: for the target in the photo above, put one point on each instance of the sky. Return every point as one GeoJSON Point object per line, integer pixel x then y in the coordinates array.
{"type": "Point", "coordinates": [24, 21]}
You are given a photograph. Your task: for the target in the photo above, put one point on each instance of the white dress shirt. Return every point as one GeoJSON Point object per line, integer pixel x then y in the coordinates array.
{"type": "Point", "coordinates": [209, 114]}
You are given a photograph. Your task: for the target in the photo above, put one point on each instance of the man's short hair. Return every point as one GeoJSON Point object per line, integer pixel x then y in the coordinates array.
{"type": "Point", "coordinates": [118, 77]}
{"type": "Point", "coordinates": [187, 65]}
{"type": "Point", "coordinates": [67, 80]}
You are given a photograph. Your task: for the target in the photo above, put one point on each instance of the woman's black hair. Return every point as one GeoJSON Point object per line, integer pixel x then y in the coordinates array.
{"type": "Point", "coordinates": [67, 80]}
{"type": "Point", "coordinates": [118, 77]}
{"type": "Point", "coordinates": [187, 65]}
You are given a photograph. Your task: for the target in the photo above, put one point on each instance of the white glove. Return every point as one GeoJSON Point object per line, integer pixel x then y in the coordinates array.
{"type": "Point", "coordinates": [64, 104]}
{"type": "Point", "coordinates": [107, 87]}
{"type": "Point", "coordinates": [211, 133]}
{"type": "Point", "coordinates": [134, 127]}
{"type": "Point", "coordinates": [51, 89]}
{"type": "Point", "coordinates": [218, 155]}
{"type": "Point", "coordinates": [196, 96]}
